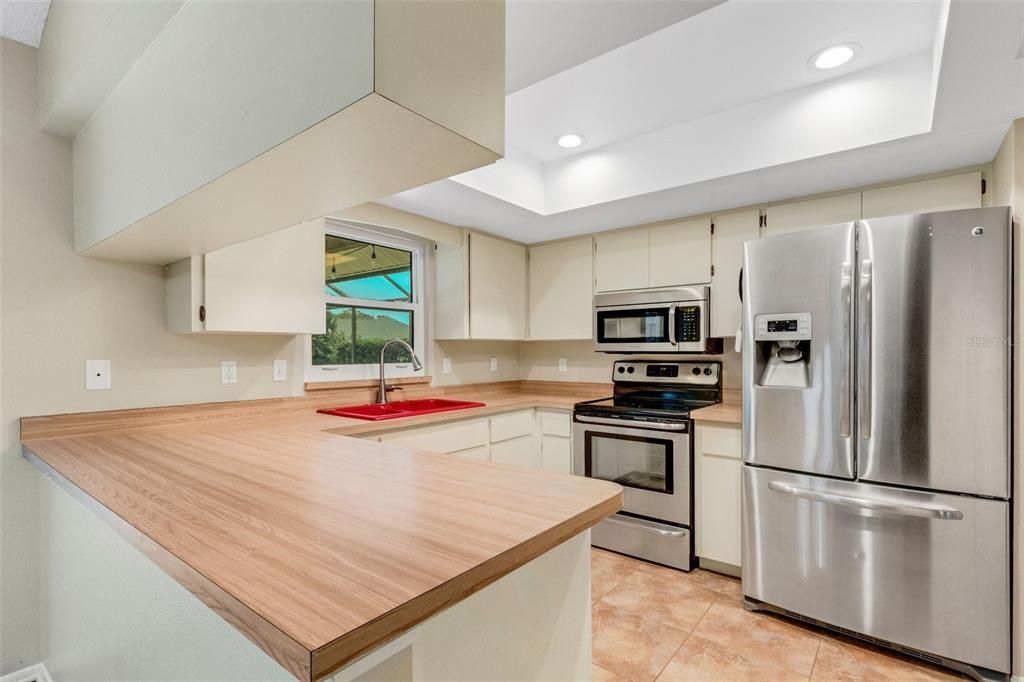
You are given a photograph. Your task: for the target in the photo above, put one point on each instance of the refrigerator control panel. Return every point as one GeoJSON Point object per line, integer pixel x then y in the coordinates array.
{"type": "Point", "coordinates": [782, 327]}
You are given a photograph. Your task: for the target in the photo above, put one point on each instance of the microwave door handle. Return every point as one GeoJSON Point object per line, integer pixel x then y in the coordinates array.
{"type": "Point", "coordinates": [672, 324]}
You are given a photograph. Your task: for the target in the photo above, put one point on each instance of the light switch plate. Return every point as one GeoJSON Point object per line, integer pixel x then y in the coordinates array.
{"type": "Point", "coordinates": [97, 375]}
{"type": "Point", "coordinates": [494, 363]}
{"type": "Point", "coordinates": [563, 366]}
{"type": "Point", "coordinates": [229, 372]}
{"type": "Point", "coordinates": [446, 366]}
{"type": "Point", "coordinates": [280, 370]}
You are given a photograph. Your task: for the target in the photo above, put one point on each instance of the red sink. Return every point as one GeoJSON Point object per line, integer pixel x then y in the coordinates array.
{"type": "Point", "coordinates": [400, 408]}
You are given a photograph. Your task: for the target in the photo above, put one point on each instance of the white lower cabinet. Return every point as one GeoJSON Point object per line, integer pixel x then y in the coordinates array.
{"type": "Point", "coordinates": [719, 464]}
{"type": "Point", "coordinates": [536, 439]}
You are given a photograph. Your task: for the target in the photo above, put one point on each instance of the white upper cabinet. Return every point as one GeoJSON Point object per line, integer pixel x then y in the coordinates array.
{"type": "Point", "coordinates": [561, 290]}
{"type": "Point", "coordinates": [801, 215]}
{"type": "Point", "coordinates": [938, 194]}
{"type": "Point", "coordinates": [622, 260]}
{"type": "Point", "coordinates": [731, 230]}
{"type": "Point", "coordinates": [224, 127]}
{"type": "Point", "coordinates": [268, 285]}
{"type": "Point", "coordinates": [480, 290]}
{"type": "Point", "coordinates": [680, 253]}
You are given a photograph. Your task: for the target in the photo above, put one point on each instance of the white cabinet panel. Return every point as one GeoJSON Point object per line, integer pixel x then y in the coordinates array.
{"type": "Point", "coordinates": [718, 498]}
{"type": "Point", "coordinates": [556, 454]}
{"type": "Point", "coordinates": [801, 215]}
{"type": "Point", "coordinates": [511, 425]}
{"type": "Point", "coordinates": [622, 260]}
{"type": "Point", "coordinates": [731, 230]}
{"type": "Point", "coordinates": [518, 452]}
{"type": "Point", "coordinates": [938, 194]}
{"type": "Point", "coordinates": [448, 438]}
{"type": "Point", "coordinates": [554, 423]}
{"type": "Point", "coordinates": [451, 291]}
{"type": "Point", "coordinates": [497, 288]}
{"type": "Point", "coordinates": [562, 290]}
{"type": "Point", "coordinates": [271, 285]}
{"type": "Point", "coordinates": [680, 253]}
{"type": "Point", "coordinates": [482, 453]}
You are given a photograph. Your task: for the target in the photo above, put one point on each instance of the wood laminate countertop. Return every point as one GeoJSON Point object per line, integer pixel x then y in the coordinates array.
{"type": "Point", "coordinates": [319, 548]}
{"type": "Point", "coordinates": [723, 413]}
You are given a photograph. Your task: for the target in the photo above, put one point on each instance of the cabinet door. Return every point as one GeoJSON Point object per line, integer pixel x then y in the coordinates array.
{"type": "Point", "coordinates": [497, 288]}
{"type": "Point", "coordinates": [482, 453]}
{"type": "Point", "coordinates": [718, 499]}
{"type": "Point", "coordinates": [556, 454]}
{"type": "Point", "coordinates": [731, 230]}
{"type": "Point", "coordinates": [622, 260]}
{"type": "Point", "coordinates": [271, 284]}
{"type": "Point", "coordinates": [801, 215]}
{"type": "Point", "coordinates": [518, 451]}
{"type": "Point", "coordinates": [562, 290]}
{"type": "Point", "coordinates": [938, 194]}
{"type": "Point", "coordinates": [680, 253]}
{"type": "Point", "coordinates": [451, 291]}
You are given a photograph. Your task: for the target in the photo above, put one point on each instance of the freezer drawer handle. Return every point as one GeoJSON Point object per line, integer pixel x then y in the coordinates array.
{"type": "Point", "coordinates": [924, 511]}
{"type": "Point", "coordinates": [639, 525]}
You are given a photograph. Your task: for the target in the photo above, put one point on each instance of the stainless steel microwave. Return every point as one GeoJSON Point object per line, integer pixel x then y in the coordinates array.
{"type": "Point", "coordinates": [672, 320]}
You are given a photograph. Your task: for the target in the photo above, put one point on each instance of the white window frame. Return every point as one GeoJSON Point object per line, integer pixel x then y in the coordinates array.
{"type": "Point", "coordinates": [315, 373]}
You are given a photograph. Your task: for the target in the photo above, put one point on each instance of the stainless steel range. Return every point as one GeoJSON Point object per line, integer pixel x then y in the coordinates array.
{"type": "Point", "coordinates": [642, 439]}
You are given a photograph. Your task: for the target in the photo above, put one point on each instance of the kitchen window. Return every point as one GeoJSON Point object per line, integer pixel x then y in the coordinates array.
{"type": "Point", "coordinates": [372, 293]}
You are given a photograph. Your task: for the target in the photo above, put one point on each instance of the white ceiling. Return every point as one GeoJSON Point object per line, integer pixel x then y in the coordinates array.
{"type": "Point", "coordinates": [721, 110]}
{"type": "Point", "coordinates": [23, 20]}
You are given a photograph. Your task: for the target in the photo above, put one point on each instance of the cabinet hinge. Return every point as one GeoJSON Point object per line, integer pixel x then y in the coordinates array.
{"type": "Point", "coordinates": [202, 313]}
{"type": "Point", "coordinates": [712, 228]}
{"type": "Point", "coordinates": [984, 185]}
{"type": "Point", "coordinates": [712, 270]}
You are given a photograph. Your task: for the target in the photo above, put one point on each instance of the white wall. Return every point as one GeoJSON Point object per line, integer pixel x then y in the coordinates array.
{"type": "Point", "coordinates": [59, 309]}
{"type": "Point", "coordinates": [539, 362]}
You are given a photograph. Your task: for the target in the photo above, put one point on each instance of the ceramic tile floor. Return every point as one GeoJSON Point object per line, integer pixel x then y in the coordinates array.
{"type": "Point", "coordinates": [653, 623]}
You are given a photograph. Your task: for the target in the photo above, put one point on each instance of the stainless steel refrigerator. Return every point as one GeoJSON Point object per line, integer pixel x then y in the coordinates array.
{"type": "Point", "coordinates": [876, 440]}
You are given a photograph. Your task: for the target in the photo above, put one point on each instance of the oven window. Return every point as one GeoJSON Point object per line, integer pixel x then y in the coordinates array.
{"type": "Point", "coordinates": [631, 461]}
{"type": "Point", "coordinates": [629, 326]}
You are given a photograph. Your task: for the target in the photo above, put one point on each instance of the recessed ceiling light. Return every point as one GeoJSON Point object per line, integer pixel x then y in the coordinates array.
{"type": "Point", "coordinates": [570, 140]}
{"type": "Point", "coordinates": [834, 56]}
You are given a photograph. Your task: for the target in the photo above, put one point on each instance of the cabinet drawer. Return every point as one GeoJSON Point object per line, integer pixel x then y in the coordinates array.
{"type": "Point", "coordinates": [511, 425]}
{"type": "Point", "coordinates": [448, 438]}
{"type": "Point", "coordinates": [721, 441]}
{"type": "Point", "coordinates": [556, 454]}
{"type": "Point", "coordinates": [555, 424]}
{"type": "Point", "coordinates": [517, 451]}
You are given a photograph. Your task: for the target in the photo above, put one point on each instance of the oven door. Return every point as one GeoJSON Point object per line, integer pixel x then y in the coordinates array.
{"type": "Point", "coordinates": [645, 328]}
{"type": "Point", "coordinates": [652, 463]}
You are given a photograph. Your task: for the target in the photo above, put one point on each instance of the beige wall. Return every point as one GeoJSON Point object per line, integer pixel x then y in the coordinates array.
{"type": "Point", "coordinates": [539, 361]}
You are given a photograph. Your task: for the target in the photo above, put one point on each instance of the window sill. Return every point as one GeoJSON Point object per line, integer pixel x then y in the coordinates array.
{"type": "Point", "coordinates": [366, 383]}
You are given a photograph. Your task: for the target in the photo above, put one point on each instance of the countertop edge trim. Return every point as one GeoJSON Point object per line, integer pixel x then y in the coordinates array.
{"type": "Point", "coordinates": [331, 657]}
{"type": "Point", "coordinates": [292, 656]}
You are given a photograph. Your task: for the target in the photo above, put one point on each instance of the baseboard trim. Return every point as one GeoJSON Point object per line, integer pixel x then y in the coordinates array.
{"type": "Point", "coordinates": [33, 673]}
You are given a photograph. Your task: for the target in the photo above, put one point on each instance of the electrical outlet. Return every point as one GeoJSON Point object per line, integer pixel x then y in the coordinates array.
{"type": "Point", "coordinates": [494, 363]}
{"type": "Point", "coordinates": [229, 372]}
{"type": "Point", "coordinates": [280, 370]}
{"type": "Point", "coordinates": [446, 366]}
{"type": "Point", "coordinates": [563, 366]}
{"type": "Point", "coordinates": [97, 375]}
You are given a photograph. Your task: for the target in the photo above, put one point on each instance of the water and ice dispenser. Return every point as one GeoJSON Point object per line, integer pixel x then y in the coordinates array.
{"type": "Point", "coordinates": [783, 350]}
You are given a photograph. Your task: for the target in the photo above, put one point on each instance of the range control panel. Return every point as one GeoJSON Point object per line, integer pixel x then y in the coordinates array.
{"type": "Point", "coordinates": [653, 371]}
{"type": "Point", "coordinates": [782, 327]}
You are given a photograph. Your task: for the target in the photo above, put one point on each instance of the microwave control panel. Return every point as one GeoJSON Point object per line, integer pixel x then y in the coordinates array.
{"type": "Point", "coordinates": [688, 324]}
{"type": "Point", "coordinates": [782, 327]}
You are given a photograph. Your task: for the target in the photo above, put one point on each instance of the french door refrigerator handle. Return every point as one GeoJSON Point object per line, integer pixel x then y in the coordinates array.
{"type": "Point", "coordinates": [846, 352]}
{"type": "Point", "coordinates": [864, 295]}
{"type": "Point", "coordinates": [927, 511]}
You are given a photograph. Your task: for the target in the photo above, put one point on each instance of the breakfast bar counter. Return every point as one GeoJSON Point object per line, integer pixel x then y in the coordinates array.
{"type": "Point", "coordinates": [319, 548]}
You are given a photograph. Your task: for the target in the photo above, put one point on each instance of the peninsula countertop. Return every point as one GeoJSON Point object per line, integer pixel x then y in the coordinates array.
{"type": "Point", "coordinates": [319, 548]}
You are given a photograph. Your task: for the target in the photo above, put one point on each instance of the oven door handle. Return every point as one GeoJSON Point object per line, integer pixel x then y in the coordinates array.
{"type": "Point", "coordinates": [629, 424]}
